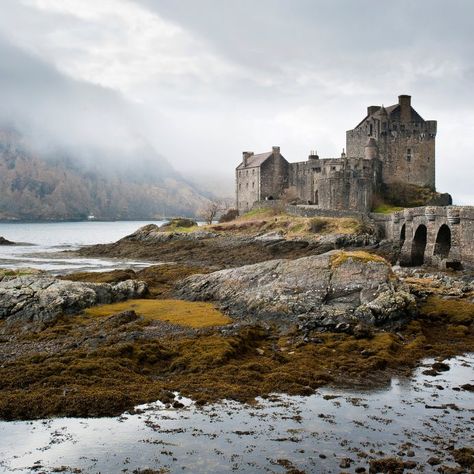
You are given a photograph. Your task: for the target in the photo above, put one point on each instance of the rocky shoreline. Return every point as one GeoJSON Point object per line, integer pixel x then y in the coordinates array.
{"type": "Point", "coordinates": [312, 317]}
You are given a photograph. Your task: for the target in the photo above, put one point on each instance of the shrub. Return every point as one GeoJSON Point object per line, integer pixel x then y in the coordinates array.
{"type": "Point", "coordinates": [228, 216]}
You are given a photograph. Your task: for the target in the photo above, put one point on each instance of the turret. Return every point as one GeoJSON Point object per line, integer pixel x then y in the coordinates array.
{"type": "Point", "coordinates": [371, 151]}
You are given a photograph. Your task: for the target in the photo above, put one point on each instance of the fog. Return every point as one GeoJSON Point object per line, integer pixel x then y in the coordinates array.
{"type": "Point", "coordinates": [200, 81]}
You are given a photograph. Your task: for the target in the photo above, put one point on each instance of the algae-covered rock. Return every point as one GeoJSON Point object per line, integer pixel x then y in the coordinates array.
{"type": "Point", "coordinates": [43, 298]}
{"type": "Point", "coordinates": [336, 290]}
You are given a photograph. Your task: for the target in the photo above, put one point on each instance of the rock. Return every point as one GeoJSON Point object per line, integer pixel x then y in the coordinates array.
{"type": "Point", "coordinates": [44, 298]}
{"type": "Point", "coordinates": [151, 233]}
{"type": "Point", "coordinates": [270, 237]}
{"type": "Point", "coordinates": [319, 292]}
{"type": "Point", "coordinates": [4, 241]}
{"type": "Point", "coordinates": [180, 222]}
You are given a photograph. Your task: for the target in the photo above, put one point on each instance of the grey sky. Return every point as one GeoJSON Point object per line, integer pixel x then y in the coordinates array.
{"type": "Point", "coordinates": [205, 79]}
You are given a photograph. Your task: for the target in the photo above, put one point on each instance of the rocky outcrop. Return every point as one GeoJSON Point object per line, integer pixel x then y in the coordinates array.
{"type": "Point", "coordinates": [333, 291]}
{"type": "Point", "coordinates": [43, 298]}
{"type": "Point", "coordinates": [4, 241]}
{"type": "Point", "coordinates": [153, 234]}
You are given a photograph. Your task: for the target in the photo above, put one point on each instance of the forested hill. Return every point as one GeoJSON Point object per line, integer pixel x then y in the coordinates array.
{"type": "Point", "coordinates": [54, 184]}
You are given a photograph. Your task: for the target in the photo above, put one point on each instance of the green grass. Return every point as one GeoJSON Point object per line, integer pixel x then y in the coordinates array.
{"type": "Point", "coordinates": [387, 209]}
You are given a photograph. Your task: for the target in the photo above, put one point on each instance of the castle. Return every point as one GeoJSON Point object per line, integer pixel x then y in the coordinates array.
{"type": "Point", "coordinates": [390, 145]}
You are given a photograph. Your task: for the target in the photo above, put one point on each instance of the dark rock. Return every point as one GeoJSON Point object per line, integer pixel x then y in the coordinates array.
{"type": "Point", "coordinates": [119, 319]}
{"type": "Point", "coordinates": [4, 241]}
{"type": "Point", "coordinates": [440, 367]}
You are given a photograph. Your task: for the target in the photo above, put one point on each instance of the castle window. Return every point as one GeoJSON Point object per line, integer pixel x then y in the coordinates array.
{"type": "Point", "coordinates": [253, 184]}
{"type": "Point", "coordinates": [429, 158]}
{"type": "Point", "coordinates": [333, 168]}
{"type": "Point", "coordinates": [240, 186]}
{"type": "Point", "coordinates": [317, 170]}
{"type": "Point", "coordinates": [408, 154]}
{"type": "Point", "coordinates": [253, 171]}
{"type": "Point", "coordinates": [371, 129]}
{"type": "Point", "coordinates": [316, 197]}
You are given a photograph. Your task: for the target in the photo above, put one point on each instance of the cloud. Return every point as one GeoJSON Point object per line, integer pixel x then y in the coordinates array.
{"type": "Point", "coordinates": [204, 80]}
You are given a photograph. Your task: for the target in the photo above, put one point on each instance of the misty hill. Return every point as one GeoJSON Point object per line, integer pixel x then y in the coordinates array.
{"type": "Point", "coordinates": [38, 182]}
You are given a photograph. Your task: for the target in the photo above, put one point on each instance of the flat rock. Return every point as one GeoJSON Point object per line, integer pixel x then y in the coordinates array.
{"type": "Point", "coordinates": [44, 298]}
{"type": "Point", "coordinates": [320, 292]}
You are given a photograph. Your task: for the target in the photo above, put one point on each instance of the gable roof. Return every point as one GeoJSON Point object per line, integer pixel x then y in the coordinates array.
{"type": "Point", "coordinates": [393, 112]}
{"type": "Point", "coordinates": [256, 160]}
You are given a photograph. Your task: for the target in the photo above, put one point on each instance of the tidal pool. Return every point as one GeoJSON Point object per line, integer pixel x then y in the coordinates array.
{"type": "Point", "coordinates": [420, 420]}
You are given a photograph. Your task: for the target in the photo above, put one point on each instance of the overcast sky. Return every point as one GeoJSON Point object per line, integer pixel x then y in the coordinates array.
{"type": "Point", "coordinates": [205, 79]}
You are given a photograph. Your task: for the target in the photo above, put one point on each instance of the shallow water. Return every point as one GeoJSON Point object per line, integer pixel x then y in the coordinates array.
{"type": "Point", "coordinates": [41, 243]}
{"type": "Point", "coordinates": [314, 433]}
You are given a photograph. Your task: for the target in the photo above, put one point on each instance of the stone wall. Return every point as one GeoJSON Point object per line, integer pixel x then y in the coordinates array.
{"type": "Point", "coordinates": [247, 187]}
{"type": "Point", "coordinates": [307, 210]}
{"type": "Point", "coordinates": [336, 183]}
{"type": "Point", "coordinates": [406, 143]}
{"type": "Point", "coordinates": [274, 177]}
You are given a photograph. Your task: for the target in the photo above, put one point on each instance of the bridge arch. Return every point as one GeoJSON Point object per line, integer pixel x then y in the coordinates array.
{"type": "Point", "coordinates": [443, 242]}
{"type": "Point", "coordinates": [419, 246]}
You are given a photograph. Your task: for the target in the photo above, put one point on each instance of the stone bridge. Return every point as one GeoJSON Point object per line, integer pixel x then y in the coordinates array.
{"type": "Point", "coordinates": [432, 235]}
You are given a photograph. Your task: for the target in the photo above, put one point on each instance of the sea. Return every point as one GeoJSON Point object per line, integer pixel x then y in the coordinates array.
{"type": "Point", "coordinates": [43, 245]}
{"type": "Point", "coordinates": [416, 419]}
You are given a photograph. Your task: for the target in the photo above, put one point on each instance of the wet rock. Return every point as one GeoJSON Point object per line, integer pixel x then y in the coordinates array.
{"type": "Point", "coordinates": [324, 292]}
{"type": "Point", "coordinates": [387, 465]}
{"type": "Point", "coordinates": [434, 461]}
{"type": "Point", "coordinates": [468, 387]}
{"type": "Point", "coordinates": [43, 298]}
{"type": "Point", "coordinates": [345, 463]}
{"type": "Point", "coordinates": [4, 241]}
{"type": "Point", "coordinates": [440, 367]}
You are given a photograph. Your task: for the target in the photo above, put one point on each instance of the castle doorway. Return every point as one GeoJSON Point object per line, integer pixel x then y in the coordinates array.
{"type": "Point", "coordinates": [419, 246]}
{"type": "Point", "coordinates": [316, 198]}
{"type": "Point", "coordinates": [443, 242]}
{"type": "Point", "coordinates": [402, 235]}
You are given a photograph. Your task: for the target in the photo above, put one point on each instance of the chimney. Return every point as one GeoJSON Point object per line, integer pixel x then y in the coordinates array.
{"type": "Point", "coordinates": [371, 109]}
{"type": "Point", "coordinates": [245, 157]}
{"type": "Point", "coordinates": [405, 107]}
{"type": "Point", "coordinates": [276, 150]}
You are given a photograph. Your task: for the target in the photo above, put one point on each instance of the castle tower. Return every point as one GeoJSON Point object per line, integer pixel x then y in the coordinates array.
{"type": "Point", "coordinates": [405, 142]}
{"type": "Point", "coordinates": [371, 151]}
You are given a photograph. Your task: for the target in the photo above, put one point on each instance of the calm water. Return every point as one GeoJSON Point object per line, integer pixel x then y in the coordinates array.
{"type": "Point", "coordinates": [315, 433]}
{"type": "Point", "coordinates": [40, 243]}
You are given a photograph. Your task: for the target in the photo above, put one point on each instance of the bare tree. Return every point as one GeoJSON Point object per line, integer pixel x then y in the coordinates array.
{"type": "Point", "coordinates": [210, 211]}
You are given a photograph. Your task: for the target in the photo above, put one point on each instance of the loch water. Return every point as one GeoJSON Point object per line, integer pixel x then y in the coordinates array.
{"type": "Point", "coordinates": [41, 245]}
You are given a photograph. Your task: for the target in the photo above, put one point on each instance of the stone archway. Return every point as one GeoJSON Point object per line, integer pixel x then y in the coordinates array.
{"type": "Point", "coordinates": [443, 242]}
{"type": "Point", "coordinates": [403, 232]}
{"type": "Point", "coordinates": [418, 246]}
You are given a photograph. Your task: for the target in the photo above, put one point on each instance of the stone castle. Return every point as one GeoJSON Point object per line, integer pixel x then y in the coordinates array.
{"type": "Point", "coordinates": [390, 145]}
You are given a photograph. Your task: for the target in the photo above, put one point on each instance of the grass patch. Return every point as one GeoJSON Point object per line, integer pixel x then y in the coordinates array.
{"type": "Point", "coordinates": [359, 255]}
{"type": "Point", "coordinates": [183, 313]}
{"type": "Point", "coordinates": [384, 208]}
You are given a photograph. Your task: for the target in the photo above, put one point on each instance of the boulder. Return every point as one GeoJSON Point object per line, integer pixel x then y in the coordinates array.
{"type": "Point", "coordinates": [4, 241]}
{"type": "Point", "coordinates": [333, 291]}
{"type": "Point", "coordinates": [44, 298]}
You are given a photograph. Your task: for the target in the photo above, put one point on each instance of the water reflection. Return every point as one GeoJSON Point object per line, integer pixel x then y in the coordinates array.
{"type": "Point", "coordinates": [315, 434]}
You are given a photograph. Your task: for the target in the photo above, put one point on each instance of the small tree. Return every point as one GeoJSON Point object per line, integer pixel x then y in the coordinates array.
{"type": "Point", "coordinates": [209, 211]}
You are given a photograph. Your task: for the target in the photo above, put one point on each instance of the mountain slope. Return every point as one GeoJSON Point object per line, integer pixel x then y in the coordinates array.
{"type": "Point", "coordinates": [57, 185]}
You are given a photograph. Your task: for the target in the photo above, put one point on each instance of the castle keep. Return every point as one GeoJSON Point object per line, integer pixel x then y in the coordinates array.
{"type": "Point", "coordinates": [390, 145]}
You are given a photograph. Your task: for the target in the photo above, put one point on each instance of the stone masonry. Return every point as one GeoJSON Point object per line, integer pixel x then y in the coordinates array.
{"type": "Point", "coordinates": [389, 145]}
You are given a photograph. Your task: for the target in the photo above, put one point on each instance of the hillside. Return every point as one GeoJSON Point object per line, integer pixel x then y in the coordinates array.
{"type": "Point", "coordinates": [56, 184]}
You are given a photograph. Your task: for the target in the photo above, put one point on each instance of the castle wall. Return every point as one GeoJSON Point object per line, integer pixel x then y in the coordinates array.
{"type": "Point", "coordinates": [336, 183]}
{"type": "Point", "coordinates": [274, 176]}
{"type": "Point", "coordinates": [407, 150]}
{"type": "Point", "coordinates": [247, 187]}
